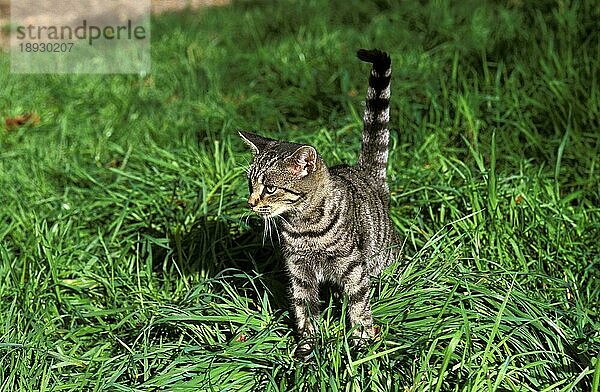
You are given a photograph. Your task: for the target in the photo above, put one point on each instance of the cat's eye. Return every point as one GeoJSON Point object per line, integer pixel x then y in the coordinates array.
{"type": "Point", "coordinates": [270, 189]}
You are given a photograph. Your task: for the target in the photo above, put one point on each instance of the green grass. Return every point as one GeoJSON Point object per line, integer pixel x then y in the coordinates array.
{"type": "Point", "coordinates": [128, 262]}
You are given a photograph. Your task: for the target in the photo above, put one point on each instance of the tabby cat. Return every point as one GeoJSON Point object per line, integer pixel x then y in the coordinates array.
{"type": "Point", "coordinates": [335, 224]}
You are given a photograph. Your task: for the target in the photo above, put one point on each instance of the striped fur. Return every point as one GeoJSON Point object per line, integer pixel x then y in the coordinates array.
{"type": "Point", "coordinates": [334, 222]}
{"type": "Point", "coordinates": [375, 138]}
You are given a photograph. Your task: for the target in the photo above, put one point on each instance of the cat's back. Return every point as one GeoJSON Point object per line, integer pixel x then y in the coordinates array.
{"type": "Point", "coordinates": [368, 212]}
{"type": "Point", "coordinates": [360, 183]}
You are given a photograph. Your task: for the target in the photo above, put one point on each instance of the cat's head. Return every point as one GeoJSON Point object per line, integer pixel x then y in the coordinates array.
{"type": "Point", "coordinates": [282, 175]}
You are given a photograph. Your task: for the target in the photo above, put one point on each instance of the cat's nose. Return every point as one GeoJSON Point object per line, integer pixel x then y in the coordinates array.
{"type": "Point", "coordinates": [252, 202]}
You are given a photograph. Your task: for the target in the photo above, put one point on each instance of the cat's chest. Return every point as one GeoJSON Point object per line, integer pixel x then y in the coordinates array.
{"type": "Point", "coordinates": [313, 258]}
{"type": "Point", "coordinates": [326, 234]}
{"type": "Point", "coordinates": [308, 244]}
{"type": "Point", "coordinates": [321, 250]}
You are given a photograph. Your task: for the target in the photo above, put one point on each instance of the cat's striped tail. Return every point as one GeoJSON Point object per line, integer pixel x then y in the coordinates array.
{"type": "Point", "coordinates": [376, 136]}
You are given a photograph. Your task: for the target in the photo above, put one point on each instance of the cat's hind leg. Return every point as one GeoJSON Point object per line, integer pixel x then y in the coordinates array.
{"type": "Point", "coordinates": [356, 287]}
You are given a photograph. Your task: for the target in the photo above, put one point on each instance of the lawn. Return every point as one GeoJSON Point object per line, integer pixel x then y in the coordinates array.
{"type": "Point", "coordinates": [128, 261]}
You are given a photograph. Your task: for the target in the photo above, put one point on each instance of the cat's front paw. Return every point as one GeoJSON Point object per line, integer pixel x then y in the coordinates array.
{"type": "Point", "coordinates": [304, 349]}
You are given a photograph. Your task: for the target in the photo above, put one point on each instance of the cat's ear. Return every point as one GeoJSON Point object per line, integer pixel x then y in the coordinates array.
{"type": "Point", "coordinates": [256, 143]}
{"type": "Point", "coordinates": [303, 161]}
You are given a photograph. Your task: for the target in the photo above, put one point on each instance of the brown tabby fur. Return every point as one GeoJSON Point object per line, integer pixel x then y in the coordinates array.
{"type": "Point", "coordinates": [335, 224]}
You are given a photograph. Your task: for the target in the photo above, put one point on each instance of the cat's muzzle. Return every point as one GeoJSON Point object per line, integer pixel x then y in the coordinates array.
{"type": "Point", "coordinates": [263, 210]}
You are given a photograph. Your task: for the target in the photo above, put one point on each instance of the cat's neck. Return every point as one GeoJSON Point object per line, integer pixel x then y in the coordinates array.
{"type": "Point", "coordinates": [319, 205]}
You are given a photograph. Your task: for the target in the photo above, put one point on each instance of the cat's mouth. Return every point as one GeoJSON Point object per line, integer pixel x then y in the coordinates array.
{"type": "Point", "coordinates": [263, 211]}
{"type": "Point", "coordinates": [268, 212]}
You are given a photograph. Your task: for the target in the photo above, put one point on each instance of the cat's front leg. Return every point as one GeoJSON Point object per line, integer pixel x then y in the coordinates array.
{"type": "Point", "coordinates": [305, 301]}
{"type": "Point", "coordinates": [304, 290]}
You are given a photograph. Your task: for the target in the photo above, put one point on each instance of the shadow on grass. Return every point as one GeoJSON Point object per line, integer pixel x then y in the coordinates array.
{"type": "Point", "coordinates": [212, 248]}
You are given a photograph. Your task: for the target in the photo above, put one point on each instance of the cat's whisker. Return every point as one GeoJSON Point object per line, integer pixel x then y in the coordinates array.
{"type": "Point", "coordinates": [290, 227]}
{"type": "Point", "coordinates": [244, 218]}
{"type": "Point", "coordinates": [276, 230]}
{"type": "Point", "coordinates": [249, 214]}
{"type": "Point", "coordinates": [270, 220]}
{"type": "Point", "coordinates": [264, 231]}
{"type": "Point", "coordinates": [270, 231]}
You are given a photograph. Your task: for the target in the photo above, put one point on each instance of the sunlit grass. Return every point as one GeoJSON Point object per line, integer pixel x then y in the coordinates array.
{"type": "Point", "coordinates": [128, 260]}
